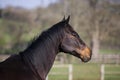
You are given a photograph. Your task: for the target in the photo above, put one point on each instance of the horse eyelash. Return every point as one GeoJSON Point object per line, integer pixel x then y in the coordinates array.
{"type": "Point", "coordinates": [74, 34]}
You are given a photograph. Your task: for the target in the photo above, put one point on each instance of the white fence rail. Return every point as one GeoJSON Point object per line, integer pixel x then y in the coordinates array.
{"type": "Point", "coordinates": [105, 72]}
{"type": "Point", "coordinates": [70, 71]}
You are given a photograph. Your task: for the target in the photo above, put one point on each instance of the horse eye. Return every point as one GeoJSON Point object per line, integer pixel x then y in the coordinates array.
{"type": "Point", "coordinates": [74, 34]}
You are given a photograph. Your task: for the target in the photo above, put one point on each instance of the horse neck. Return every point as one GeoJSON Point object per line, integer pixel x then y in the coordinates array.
{"type": "Point", "coordinates": [42, 53]}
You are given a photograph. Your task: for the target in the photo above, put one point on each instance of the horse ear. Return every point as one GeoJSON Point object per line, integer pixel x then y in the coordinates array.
{"type": "Point", "coordinates": [63, 18]}
{"type": "Point", "coordinates": [67, 20]}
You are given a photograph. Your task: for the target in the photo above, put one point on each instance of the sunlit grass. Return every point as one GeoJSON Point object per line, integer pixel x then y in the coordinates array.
{"type": "Point", "coordinates": [86, 71]}
{"type": "Point", "coordinates": [80, 72]}
{"type": "Point", "coordinates": [112, 72]}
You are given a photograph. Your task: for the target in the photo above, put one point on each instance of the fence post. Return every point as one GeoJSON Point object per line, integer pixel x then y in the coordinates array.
{"type": "Point", "coordinates": [70, 72]}
{"type": "Point", "coordinates": [102, 71]}
{"type": "Point", "coordinates": [47, 77]}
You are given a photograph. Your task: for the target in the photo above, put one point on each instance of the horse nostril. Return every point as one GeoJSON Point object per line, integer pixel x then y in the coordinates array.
{"type": "Point", "coordinates": [88, 57]}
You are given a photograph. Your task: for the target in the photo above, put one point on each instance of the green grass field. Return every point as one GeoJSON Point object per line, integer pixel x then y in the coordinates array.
{"type": "Point", "coordinates": [85, 71]}
{"type": "Point", "coordinates": [112, 72]}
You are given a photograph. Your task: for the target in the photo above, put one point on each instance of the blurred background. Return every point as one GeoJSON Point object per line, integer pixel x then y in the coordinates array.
{"type": "Point", "coordinates": [96, 21]}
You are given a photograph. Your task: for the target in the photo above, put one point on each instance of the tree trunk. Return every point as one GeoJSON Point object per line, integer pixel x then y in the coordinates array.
{"type": "Point", "coordinates": [95, 40]}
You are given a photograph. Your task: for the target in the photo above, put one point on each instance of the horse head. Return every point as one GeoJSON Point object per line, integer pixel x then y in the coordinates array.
{"type": "Point", "coordinates": [73, 44]}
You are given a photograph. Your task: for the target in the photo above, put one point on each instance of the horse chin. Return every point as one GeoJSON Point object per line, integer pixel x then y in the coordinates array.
{"type": "Point", "coordinates": [82, 58]}
{"type": "Point", "coordinates": [85, 59]}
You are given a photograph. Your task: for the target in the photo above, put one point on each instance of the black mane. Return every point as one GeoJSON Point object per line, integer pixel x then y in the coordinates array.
{"type": "Point", "coordinates": [47, 42]}
{"type": "Point", "coordinates": [49, 35]}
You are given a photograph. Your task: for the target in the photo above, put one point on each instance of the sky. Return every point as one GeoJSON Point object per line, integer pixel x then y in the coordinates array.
{"type": "Point", "coordinates": [29, 4]}
{"type": "Point", "coordinates": [25, 3]}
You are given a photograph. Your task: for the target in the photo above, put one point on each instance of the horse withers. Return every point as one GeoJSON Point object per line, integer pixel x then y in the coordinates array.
{"type": "Point", "coordinates": [35, 62]}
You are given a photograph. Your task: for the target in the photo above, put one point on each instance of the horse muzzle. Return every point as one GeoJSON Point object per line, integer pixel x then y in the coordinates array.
{"type": "Point", "coordinates": [85, 54]}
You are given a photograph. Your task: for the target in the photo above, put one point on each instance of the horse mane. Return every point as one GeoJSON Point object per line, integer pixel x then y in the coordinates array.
{"type": "Point", "coordinates": [49, 35]}
{"type": "Point", "coordinates": [43, 45]}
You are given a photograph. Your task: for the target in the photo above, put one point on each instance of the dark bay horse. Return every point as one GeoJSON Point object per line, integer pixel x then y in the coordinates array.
{"type": "Point", "coordinates": [35, 62]}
